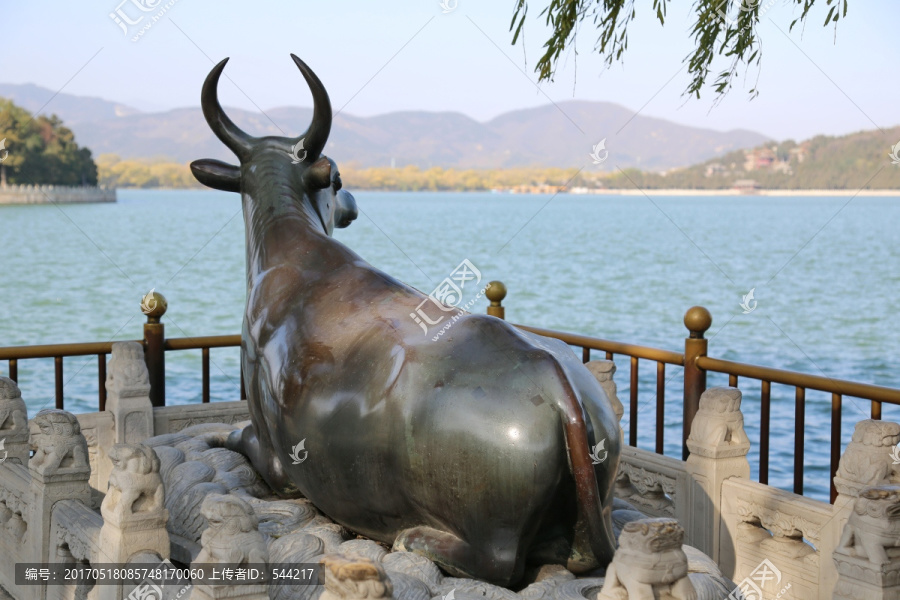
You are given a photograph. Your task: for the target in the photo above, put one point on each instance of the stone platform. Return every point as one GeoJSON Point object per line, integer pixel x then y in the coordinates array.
{"type": "Point", "coordinates": [55, 194]}
{"type": "Point", "coordinates": [194, 464]}
{"type": "Point", "coordinates": [136, 483]}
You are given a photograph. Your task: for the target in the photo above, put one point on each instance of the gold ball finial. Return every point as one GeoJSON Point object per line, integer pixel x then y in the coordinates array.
{"type": "Point", "coordinates": [495, 292]}
{"type": "Point", "coordinates": [697, 319]}
{"type": "Point", "coordinates": [154, 305]}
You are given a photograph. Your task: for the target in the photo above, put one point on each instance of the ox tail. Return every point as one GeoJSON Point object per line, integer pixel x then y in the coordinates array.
{"type": "Point", "coordinates": [593, 528]}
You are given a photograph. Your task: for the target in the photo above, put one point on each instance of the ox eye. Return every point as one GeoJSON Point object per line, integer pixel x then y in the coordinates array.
{"type": "Point", "coordinates": [337, 183]}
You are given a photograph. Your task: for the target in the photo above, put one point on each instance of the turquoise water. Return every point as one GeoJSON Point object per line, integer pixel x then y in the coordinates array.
{"type": "Point", "coordinates": [825, 273]}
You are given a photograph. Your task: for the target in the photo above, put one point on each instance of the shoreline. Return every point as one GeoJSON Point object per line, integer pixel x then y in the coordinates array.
{"type": "Point", "coordinates": [612, 192]}
{"type": "Point", "coordinates": [733, 192]}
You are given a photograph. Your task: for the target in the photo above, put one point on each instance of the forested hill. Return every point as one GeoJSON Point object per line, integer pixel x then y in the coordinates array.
{"type": "Point", "coordinates": [852, 162]}
{"type": "Point", "coordinates": [859, 160]}
{"type": "Point", "coordinates": [40, 150]}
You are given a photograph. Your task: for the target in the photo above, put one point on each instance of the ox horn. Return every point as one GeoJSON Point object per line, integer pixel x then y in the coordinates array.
{"type": "Point", "coordinates": [237, 141]}
{"type": "Point", "coordinates": [315, 137]}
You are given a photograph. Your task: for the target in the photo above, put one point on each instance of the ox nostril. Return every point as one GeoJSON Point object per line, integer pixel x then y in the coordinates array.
{"type": "Point", "coordinates": [349, 217]}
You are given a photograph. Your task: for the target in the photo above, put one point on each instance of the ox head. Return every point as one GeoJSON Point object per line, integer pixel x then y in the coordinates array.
{"type": "Point", "coordinates": [273, 169]}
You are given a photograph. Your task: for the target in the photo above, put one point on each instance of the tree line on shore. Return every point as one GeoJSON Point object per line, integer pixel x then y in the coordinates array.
{"type": "Point", "coordinates": [862, 160]}
{"type": "Point", "coordinates": [40, 150]}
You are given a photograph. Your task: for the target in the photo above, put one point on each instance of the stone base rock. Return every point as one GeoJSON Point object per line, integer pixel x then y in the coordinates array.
{"type": "Point", "coordinates": [195, 463]}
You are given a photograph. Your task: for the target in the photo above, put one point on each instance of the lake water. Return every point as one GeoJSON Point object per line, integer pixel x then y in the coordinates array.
{"type": "Point", "coordinates": [825, 273]}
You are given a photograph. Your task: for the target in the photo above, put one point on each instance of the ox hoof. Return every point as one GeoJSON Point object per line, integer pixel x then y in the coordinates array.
{"type": "Point", "coordinates": [244, 441]}
{"type": "Point", "coordinates": [490, 562]}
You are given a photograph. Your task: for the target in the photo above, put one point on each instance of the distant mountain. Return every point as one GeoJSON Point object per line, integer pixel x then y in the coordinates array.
{"type": "Point", "coordinates": [548, 136]}
{"type": "Point", "coordinates": [71, 109]}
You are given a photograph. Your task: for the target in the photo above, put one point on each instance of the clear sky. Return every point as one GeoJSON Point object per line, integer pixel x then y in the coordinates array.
{"type": "Point", "coordinates": [391, 55]}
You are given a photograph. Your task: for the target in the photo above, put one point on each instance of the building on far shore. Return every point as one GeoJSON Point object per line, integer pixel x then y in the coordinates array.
{"type": "Point", "coordinates": [745, 186]}
{"type": "Point", "coordinates": [55, 194]}
{"type": "Point", "coordinates": [531, 189]}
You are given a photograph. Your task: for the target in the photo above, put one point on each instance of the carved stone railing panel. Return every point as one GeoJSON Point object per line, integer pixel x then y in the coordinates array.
{"type": "Point", "coordinates": [659, 486]}
{"type": "Point", "coordinates": [15, 497]}
{"type": "Point", "coordinates": [77, 528]}
{"type": "Point", "coordinates": [98, 429]}
{"type": "Point", "coordinates": [74, 541]}
{"type": "Point", "coordinates": [172, 419]}
{"type": "Point", "coordinates": [648, 481]}
{"type": "Point", "coordinates": [763, 523]}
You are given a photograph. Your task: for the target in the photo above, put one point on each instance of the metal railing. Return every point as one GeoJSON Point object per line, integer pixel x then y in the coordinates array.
{"type": "Point", "coordinates": [696, 364]}
{"type": "Point", "coordinates": [155, 345]}
{"type": "Point", "coordinates": [694, 359]}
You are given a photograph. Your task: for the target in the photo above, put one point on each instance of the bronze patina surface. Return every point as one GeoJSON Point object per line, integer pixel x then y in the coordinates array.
{"type": "Point", "coordinates": [473, 450]}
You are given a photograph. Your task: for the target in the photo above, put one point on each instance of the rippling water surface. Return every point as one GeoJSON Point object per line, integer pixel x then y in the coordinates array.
{"type": "Point", "coordinates": [825, 273]}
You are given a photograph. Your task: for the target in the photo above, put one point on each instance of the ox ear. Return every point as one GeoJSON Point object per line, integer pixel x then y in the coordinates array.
{"type": "Point", "coordinates": [217, 174]}
{"type": "Point", "coordinates": [318, 175]}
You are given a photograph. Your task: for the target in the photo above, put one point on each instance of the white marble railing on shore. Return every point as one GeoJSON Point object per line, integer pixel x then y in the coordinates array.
{"type": "Point", "coordinates": [61, 194]}
{"type": "Point", "coordinates": [93, 493]}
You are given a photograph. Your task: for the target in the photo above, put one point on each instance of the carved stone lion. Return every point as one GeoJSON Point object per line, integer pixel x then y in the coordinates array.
{"type": "Point", "coordinates": [868, 459]}
{"type": "Point", "coordinates": [14, 443]}
{"type": "Point", "coordinates": [649, 561]}
{"type": "Point", "coordinates": [57, 441]}
{"type": "Point", "coordinates": [718, 427]}
{"type": "Point", "coordinates": [127, 370]}
{"type": "Point", "coordinates": [874, 524]}
{"type": "Point", "coordinates": [232, 536]}
{"type": "Point", "coordinates": [604, 370]}
{"type": "Point", "coordinates": [134, 484]}
{"type": "Point", "coordinates": [13, 413]}
{"type": "Point", "coordinates": [354, 578]}
{"type": "Point", "coordinates": [719, 422]}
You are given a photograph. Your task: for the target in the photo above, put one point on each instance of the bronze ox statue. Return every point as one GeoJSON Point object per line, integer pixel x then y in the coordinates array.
{"type": "Point", "coordinates": [473, 450]}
